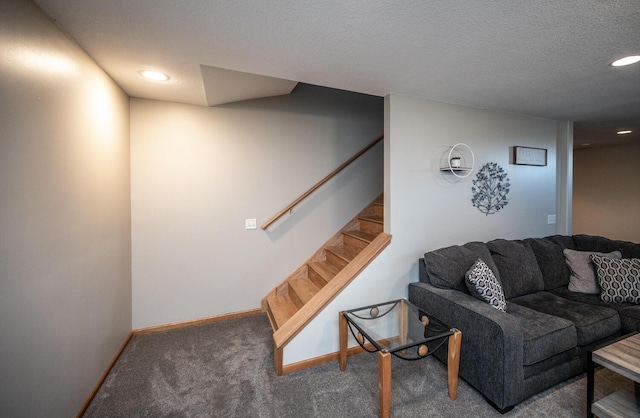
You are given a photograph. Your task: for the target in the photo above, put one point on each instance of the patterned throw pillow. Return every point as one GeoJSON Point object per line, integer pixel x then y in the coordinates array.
{"type": "Point", "coordinates": [484, 285]}
{"type": "Point", "coordinates": [619, 279]}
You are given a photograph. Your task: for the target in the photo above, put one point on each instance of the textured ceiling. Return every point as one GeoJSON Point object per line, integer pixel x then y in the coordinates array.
{"type": "Point", "coordinates": [541, 58]}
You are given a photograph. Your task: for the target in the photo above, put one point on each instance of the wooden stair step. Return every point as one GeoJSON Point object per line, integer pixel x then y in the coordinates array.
{"type": "Point", "coordinates": [361, 235]}
{"type": "Point", "coordinates": [371, 222]}
{"type": "Point", "coordinates": [321, 272]}
{"type": "Point", "coordinates": [301, 290]}
{"type": "Point", "coordinates": [341, 255]}
{"type": "Point", "coordinates": [281, 308]}
{"type": "Point", "coordinates": [372, 217]}
{"type": "Point", "coordinates": [357, 239]}
{"type": "Point", "coordinates": [374, 212]}
{"type": "Point", "coordinates": [346, 253]}
{"type": "Point", "coordinates": [378, 209]}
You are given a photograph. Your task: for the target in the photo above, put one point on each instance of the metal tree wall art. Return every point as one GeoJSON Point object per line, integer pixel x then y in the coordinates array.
{"type": "Point", "coordinates": [490, 189]}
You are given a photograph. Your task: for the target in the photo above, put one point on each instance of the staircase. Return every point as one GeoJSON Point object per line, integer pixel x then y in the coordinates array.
{"type": "Point", "coordinates": [302, 295]}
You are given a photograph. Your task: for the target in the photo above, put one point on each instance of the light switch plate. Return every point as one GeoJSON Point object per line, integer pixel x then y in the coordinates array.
{"type": "Point", "coordinates": [250, 224]}
{"type": "Point", "coordinates": [551, 219]}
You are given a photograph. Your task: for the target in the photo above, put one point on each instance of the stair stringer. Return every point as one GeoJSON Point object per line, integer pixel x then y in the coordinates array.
{"type": "Point", "coordinates": [319, 255]}
{"type": "Point", "coordinates": [301, 271]}
{"type": "Point", "coordinates": [311, 309]}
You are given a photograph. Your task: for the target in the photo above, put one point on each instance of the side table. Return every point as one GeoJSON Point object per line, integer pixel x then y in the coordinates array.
{"type": "Point", "coordinates": [398, 328]}
{"type": "Point", "coordinates": [623, 357]}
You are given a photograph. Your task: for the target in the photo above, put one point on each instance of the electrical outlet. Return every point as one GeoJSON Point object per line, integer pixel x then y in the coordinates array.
{"type": "Point", "coordinates": [551, 219]}
{"type": "Point", "coordinates": [250, 224]}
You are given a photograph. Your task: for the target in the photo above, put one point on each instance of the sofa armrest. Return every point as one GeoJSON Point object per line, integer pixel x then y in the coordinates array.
{"type": "Point", "coordinates": [492, 341]}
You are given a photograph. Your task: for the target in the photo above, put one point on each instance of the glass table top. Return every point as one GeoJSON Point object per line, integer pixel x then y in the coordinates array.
{"type": "Point", "coordinates": [397, 327]}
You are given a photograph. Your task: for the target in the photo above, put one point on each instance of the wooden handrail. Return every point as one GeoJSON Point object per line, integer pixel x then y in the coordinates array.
{"type": "Point", "coordinates": [321, 182]}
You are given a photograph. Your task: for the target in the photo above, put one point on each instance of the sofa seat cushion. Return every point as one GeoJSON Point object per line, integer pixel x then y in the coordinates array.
{"type": "Point", "coordinates": [629, 318]}
{"type": "Point", "coordinates": [544, 336]}
{"type": "Point", "coordinates": [592, 322]}
{"type": "Point", "coordinates": [518, 267]}
{"type": "Point", "coordinates": [552, 363]}
{"type": "Point", "coordinates": [590, 299]}
{"type": "Point", "coordinates": [629, 313]}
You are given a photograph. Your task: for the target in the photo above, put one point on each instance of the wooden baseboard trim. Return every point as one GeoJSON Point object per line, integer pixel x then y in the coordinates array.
{"type": "Point", "coordinates": [316, 361]}
{"type": "Point", "coordinates": [193, 322]}
{"type": "Point", "coordinates": [104, 376]}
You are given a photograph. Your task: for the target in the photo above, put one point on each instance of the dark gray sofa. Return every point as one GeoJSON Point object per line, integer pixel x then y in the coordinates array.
{"type": "Point", "coordinates": [543, 337]}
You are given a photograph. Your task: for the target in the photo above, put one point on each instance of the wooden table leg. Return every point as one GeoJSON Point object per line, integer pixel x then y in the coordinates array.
{"type": "Point", "coordinates": [343, 342]}
{"type": "Point", "coordinates": [384, 383]}
{"type": "Point", "coordinates": [590, 384]}
{"type": "Point", "coordinates": [403, 324]}
{"type": "Point", "coordinates": [453, 363]}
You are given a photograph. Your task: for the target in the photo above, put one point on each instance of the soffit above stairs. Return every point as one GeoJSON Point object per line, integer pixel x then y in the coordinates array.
{"type": "Point", "coordinates": [223, 86]}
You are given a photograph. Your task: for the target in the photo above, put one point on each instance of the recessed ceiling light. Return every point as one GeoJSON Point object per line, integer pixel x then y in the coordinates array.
{"type": "Point", "coordinates": [623, 132]}
{"type": "Point", "coordinates": [632, 59]}
{"type": "Point", "coordinates": [155, 75]}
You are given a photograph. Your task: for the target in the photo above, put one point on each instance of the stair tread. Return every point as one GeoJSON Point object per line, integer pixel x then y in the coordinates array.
{"type": "Point", "coordinates": [282, 308]}
{"type": "Point", "coordinates": [304, 288]}
{"type": "Point", "coordinates": [325, 269]}
{"type": "Point", "coordinates": [372, 218]}
{"type": "Point", "coordinates": [362, 235]}
{"type": "Point", "coordinates": [297, 290]}
{"type": "Point", "coordinates": [346, 253]}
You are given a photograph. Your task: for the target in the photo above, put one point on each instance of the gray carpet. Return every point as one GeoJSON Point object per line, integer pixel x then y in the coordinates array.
{"type": "Point", "coordinates": [225, 369]}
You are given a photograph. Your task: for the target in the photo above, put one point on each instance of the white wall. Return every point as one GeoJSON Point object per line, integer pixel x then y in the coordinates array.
{"type": "Point", "coordinates": [428, 211]}
{"type": "Point", "coordinates": [606, 199]}
{"type": "Point", "coordinates": [65, 270]}
{"type": "Point", "coordinates": [198, 173]}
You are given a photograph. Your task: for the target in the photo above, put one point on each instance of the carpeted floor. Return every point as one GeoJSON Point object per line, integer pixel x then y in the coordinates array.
{"type": "Point", "coordinates": [225, 369]}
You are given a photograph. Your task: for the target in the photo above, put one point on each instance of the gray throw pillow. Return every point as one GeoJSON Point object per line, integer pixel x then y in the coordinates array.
{"type": "Point", "coordinates": [619, 279]}
{"type": "Point", "coordinates": [583, 274]}
{"type": "Point", "coordinates": [484, 285]}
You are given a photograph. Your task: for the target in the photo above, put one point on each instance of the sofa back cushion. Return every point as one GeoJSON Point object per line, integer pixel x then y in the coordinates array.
{"type": "Point", "coordinates": [551, 260]}
{"type": "Point", "coordinates": [606, 245]}
{"type": "Point", "coordinates": [446, 267]}
{"type": "Point", "coordinates": [518, 267]}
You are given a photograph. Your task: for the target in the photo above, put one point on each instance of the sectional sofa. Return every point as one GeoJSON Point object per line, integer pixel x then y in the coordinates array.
{"type": "Point", "coordinates": [551, 313]}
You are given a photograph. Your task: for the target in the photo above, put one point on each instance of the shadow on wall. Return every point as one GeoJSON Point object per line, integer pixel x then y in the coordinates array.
{"type": "Point", "coordinates": [606, 192]}
{"type": "Point", "coordinates": [350, 175]}
{"type": "Point", "coordinates": [309, 99]}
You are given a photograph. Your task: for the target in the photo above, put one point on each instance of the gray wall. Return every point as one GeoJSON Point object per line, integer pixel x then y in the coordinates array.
{"type": "Point", "coordinates": [198, 173]}
{"type": "Point", "coordinates": [606, 192]}
{"type": "Point", "coordinates": [425, 210]}
{"type": "Point", "coordinates": [68, 243]}
{"type": "Point", "coordinates": [65, 272]}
